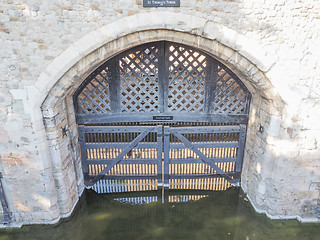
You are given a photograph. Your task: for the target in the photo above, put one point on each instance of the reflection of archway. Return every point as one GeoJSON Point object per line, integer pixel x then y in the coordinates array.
{"type": "Point", "coordinates": [68, 70]}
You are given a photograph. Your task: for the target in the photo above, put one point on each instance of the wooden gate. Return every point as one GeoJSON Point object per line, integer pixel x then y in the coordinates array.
{"type": "Point", "coordinates": [206, 153]}
{"type": "Point", "coordinates": [121, 103]}
{"type": "Point", "coordinates": [121, 153]}
{"type": "Point", "coordinates": [145, 157]}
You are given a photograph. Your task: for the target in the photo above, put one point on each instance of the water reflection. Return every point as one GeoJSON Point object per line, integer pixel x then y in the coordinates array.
{"type": "Point", "coordinates": [167, 215]}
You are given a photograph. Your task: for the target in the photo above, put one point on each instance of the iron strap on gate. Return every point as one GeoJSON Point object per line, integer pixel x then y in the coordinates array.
{"type": "Point", "coordinates": [162, 153]}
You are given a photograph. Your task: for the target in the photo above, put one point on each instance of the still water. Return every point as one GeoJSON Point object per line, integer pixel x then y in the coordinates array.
{"type": "Point", "coordinates": [167, 215]}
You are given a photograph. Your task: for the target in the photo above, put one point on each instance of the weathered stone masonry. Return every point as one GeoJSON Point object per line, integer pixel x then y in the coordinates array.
{"type": "Point", "coordinates": [47, 50]}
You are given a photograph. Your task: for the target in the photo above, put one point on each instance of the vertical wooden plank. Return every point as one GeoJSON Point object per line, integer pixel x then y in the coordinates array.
{"type": "Point", "coordinates": [242, 140]}
{"type": "Point", "coordinates": [159, 149]}
{"type": "Point", "coordinates": [83, 152]}
{"type": "Point", "coordinates": [165, 71]}
{"type": "Point", "coordinates": [210, 85]}
{"type": "Point", "coordinates": [114, 85]}
{"type": "Point", "coordinates": [166, 148]}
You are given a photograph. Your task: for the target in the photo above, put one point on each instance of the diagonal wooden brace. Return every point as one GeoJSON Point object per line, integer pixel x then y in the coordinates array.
{"type": "Point", "coordinates": [133, 144]}
{"type": "Point", "coordinates": [206, 160]}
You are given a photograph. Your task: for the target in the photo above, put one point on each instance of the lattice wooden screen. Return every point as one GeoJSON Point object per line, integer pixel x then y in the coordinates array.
{"type": "Point", "coordinates": [161, 77]}
{"type": "Point", "coordinates": [187, 73]}
{"type": "Point", "coordinates": [139, 84]}
{"type": "Point", "coordinates": [230, 97]}
{"type": "Point", "coordinates": [95, 97]}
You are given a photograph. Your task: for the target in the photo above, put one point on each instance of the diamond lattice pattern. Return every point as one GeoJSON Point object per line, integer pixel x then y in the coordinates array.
{"type": "Point", "coordinates": [184, 71]}
{"type": "Point", "coordinates": [139, 85]}
{"type": "Point", "coordinates": [187, 72]}
{"type": "Point", "coordinates": [230, 98]}
{"type": "Point", "coordinates": [95, 97]}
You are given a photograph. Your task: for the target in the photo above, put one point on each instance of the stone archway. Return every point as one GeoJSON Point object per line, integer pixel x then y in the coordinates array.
{"type": "Point", "coordinates": [63, 76]}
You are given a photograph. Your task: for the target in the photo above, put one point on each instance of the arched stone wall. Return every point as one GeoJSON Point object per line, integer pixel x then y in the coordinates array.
{"type": "Point", "coordinates": [72, 66]}
{"type": "Point", "coordinates": [52, 104]}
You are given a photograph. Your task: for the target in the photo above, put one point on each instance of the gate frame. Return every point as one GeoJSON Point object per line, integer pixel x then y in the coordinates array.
{"type": "Point", "coordinates": [105, 83]}
{"type": "Point", "coordinates": [163, 146]}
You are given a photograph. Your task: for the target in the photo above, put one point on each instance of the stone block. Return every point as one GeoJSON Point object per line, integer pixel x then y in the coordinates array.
{"type": "Point", "coordinates": [63, 62]}
{"type": "Point", "coordinates": [212, 31]}
{"type": "Point", "coordinates": [90, 42]}
{"type": "Point", "coordinates": [273, 128]}
{"type": "Point", "coordinates": [4, 137]}
{"type": "Point", "coordinates": [19, 94]}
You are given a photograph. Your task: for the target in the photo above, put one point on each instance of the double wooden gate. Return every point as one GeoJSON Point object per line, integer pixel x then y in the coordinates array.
{"type": "Point", "coordinates": [161, 113]}
{"type": "Point", "coordinates": [161, 155]}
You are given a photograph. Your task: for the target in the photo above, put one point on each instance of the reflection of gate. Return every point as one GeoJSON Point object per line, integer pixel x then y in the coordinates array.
{"type": "Point", "coordinates": [176, 157]}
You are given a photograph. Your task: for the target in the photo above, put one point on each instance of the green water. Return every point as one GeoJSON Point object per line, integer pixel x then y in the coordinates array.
{"type": "Point", "coordinates": [154, 215]}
